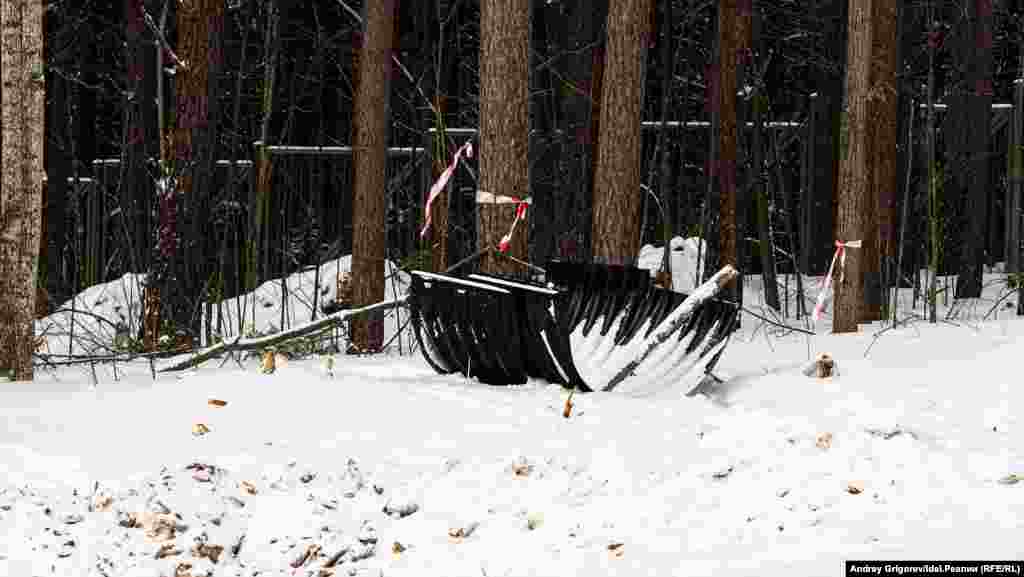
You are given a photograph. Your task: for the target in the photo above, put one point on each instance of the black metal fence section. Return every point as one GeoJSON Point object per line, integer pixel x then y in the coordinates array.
{"type": "Point", "coordinates": [310, 205]}
{"type": "Point", "coordinates": [310, 210]}
{"type": "Point", "coordinates": [309, 216]}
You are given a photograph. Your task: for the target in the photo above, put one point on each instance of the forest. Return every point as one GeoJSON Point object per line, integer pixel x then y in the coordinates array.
{"type": "Point", "coordinates": [214, 146]}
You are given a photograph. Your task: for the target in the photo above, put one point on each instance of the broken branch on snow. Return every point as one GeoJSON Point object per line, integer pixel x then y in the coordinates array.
{"type": "Point", "coordinates": [239, 344]}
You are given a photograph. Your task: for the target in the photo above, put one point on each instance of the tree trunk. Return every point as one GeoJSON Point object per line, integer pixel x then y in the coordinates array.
{"type": "Point", "coordinates": [370, 181]}
{"type": "Point", "coordinates": [136, 189]}
{"type": "Point", "coordinates": [725, 163]}
{"type": "Point", "coordinates": [755, 153]}
{"type": "Point", "coordinates": [58, 166]}
{"type": "Point", "coordinates": [885, 184]}
{"type": "Point", "coordinates": [978, 101]}
{"type": "Point", "coordinates": [853, 192]}
{"type": "Point", "coordinates": [881, 142]}
{"type": "Point", "coordinates": [504, 121]}
{"type": "Point", "coordinates": [616, 234]}
{"type": "Point", "coordinates": [22, 117]}
{"type": "Point", "coordinates": [818, 219]}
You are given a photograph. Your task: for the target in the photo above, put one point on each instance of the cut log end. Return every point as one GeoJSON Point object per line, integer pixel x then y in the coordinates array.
{"type": "Point", "coordinates": [726, 276]}
{"type": "Point", "coordinates": [824, 366]}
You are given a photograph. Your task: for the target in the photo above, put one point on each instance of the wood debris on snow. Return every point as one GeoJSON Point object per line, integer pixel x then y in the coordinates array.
{"type": "Point", "coordinates": [823, 440]}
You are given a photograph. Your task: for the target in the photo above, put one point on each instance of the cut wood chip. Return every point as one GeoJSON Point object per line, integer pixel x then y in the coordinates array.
{"type": "Point", "coordinates": [157, 527]}
{"type": "Point", "coordinates": [199, 429]}
{"type": "Point", "coordinates": [205, 551]}
{"type": "Point", "coordinates": [267, 364]}
{"type": "Point", "coordinates": [102, 503]}
{"type": "Point", "coordinates": [247, 487]}
{"type": "Point", "coordinates": [855, 487]}
{"type": "Point", "coordinates": [167, 550]}
{"type": "Point", "coordinates": [521, 469]}
{"type": "Point", "coordinates": [616, 550]}
{"type": "Point", "coordinates": [567, 411]}
{"type": "Point", "coordinates": [217, 403]}
{"type": "Point", "coordinates": [456, 535]}
{"type": "Point", "coordinates": [281, 360]}
{"type": "Point", "coordinates": [823, 441]}
{"type": "Point", "coordinates": [312, 551]}
{"type": "Point", "coordinates": [183, 570]}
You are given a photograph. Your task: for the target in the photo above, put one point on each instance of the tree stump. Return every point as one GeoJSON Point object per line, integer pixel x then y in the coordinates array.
{"type": "Point", "coordinates": [823, 367]}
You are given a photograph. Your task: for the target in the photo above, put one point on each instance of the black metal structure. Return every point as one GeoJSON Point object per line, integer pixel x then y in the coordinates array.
{"type": "Point", "coordinates": [578, 329]}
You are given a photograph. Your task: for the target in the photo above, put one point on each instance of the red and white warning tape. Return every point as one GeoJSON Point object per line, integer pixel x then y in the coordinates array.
{"type": "Point", "coordinates": [484, 197]}
{"type": "Point", "coordinates": [826, 283]}
{"type": "Point", "coordinates": [442, 181]}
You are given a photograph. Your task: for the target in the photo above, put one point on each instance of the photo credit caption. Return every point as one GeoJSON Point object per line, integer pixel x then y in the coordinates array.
{"type": "Point", "coordinates": [861, 568]}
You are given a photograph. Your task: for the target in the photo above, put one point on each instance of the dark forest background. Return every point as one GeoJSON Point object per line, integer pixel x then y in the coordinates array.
{"type": "Point", "coordinates": [111, 79]}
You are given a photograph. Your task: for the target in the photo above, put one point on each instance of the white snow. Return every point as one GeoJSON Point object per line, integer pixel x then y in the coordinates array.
{"type": "Point", "coordinates": [726, 484]}
{"type": "Point", "coordinates": [99, 309]}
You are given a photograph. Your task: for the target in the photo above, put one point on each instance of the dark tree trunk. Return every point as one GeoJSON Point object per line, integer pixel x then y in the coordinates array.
{"type": "Point", "coordinates": [504, 124]}
{"type": "Point", "coordinates": [978, 101]}
{"type": "Point", "coordinates": [616, 235]}
{"type": "Point", "coordinates": [580, 111]}
{"type": "Point", "coordinates": [758, 190]}
{"type": "Point", "coordinates": [725, 171]}
{"type": "Point", "coordinates": [854, 191]}
{"type": "Point", "coordinates": [58, 166]}
{"type": "Point", "coordinates": [545, 144]}
{"type": "Point", "coordinates": [370, 144]}
{"type": "Point", "coordinates": [886, 137]}
{"type": "Point", "coordinates": [823, 157]}
{"type": "Point", "coordinates": [879, 226]}
{"type": "Point", "coordinates": [597, 80]}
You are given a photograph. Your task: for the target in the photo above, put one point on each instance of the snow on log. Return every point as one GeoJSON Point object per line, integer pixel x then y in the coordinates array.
{"type": "Point", "coordinates": [675, 320]}
{"type": "Point", "coordinates": [239, 344]}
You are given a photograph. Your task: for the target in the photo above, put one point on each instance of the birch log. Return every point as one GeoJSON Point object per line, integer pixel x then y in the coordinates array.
{"type": "Point", "coordinates": [260, 342]}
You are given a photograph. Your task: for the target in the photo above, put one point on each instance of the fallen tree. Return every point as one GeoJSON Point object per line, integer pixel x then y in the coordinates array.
{"type": "Point", "coordinates": [239, 344]}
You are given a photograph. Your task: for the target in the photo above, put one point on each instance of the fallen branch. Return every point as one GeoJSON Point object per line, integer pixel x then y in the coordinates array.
{"type": "Point", "coordinates": [239, 344]}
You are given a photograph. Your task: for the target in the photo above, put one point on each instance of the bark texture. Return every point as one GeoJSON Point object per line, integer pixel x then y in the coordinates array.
{"type": "Point", "coordinates": [978, 100]}
{"type": "Point", "coordinates": [504, 122]}
{"type": "Point", "coordinates": [724, 170]}
{"type": "Point", "coordinates": [370, 138]}
{"type": "Point", "coordinates": [22, 115]}
{"type": "Point", "coordinates": [853, 185]}
{"type": "Point", "coordinates": [617, 200]}
{"type": "Point", "coordinates": [884, 138]}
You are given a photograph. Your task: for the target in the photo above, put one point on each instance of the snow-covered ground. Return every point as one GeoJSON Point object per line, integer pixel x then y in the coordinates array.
{"type": "Point", "coordinates": [759, 477]}
{"type": "Point", "coordinates": [100, 312]}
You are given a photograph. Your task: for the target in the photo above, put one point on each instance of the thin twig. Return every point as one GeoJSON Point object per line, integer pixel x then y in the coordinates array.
{"type": "Point", "coordinates": [771, 322]}
{"type": "Point", "coordinates": [163, 40]}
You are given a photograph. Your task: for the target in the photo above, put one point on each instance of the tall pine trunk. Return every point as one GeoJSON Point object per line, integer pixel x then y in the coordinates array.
{"type": "Point", "coordinates": [616, 220]}
{"type": "Point", "coordinates": [370, 179]}
{"type": "Point", "coordinates": [870, 272]}
{"type": "Point", "coordinates": [58, 164]}
{"type": "Point", "coordinates": [504, 127]}
{"type": "Point", "coordinates": [724, 164]}
{"type": "Point", "coordinates": [978, 103]}
{"type": "Point", "coordinates": [885, 173]}
{"type": "Point", "coordinates": [21, 165]}
{"type": "Point", "coordinates": [853, 190]}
